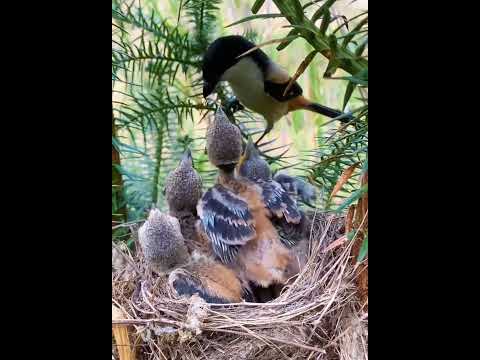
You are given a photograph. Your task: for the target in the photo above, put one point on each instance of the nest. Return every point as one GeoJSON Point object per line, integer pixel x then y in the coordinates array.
{"type": "Point", "coordinates": [318, 316]}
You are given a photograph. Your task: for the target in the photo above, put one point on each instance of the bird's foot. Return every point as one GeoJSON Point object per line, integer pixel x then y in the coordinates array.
{"type": "Point", "coordinates": [233, 105]}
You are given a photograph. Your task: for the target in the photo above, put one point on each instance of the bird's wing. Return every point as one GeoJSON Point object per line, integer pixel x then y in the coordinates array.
{"type": "Point", "coordinates": [226, 220]}
{"type": "Point", "coordinates": [278, 201]}
{"type": "Point", "coordinates": [276, 90]}
{"type": "Point", "coordinates": [187, 284]}
{"type": "Point", "coordinates": [291, 234]}
{"type": "Point", "coordinates": [276, 81]}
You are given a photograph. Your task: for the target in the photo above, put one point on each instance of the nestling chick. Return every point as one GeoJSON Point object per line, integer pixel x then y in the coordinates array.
{"type": "Point", "coordinates": [183, 186]}
{"type": "Point", "coordinates": [252, 165]}
{"type": "Point", "coordinates": [164, 249]}
{"type": "Point", "coordinates": [162, 242]}
{"type": "Point", "coordinates": [297, 187]}
{"type": "Point", "coordinates": [235, 214]}
{"type": "Point", "coordinates": [224, 142]}
{"type": "Point", "coordinates": [293, 235]}
{"type": "Point", "coordinates": [183, 189]}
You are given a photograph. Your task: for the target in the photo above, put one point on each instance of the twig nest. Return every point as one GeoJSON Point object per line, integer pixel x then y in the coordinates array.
{"type": "Point", "coordinates": [311, 319]}
{"type": "Point", "coordinates": [196, 314]}
{"type": "Point", "coordinates": [167, 334]}
{"type": "Point", "coordinates": [118, 261]}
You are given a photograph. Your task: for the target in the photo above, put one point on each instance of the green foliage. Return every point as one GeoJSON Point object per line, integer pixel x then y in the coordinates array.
{"type": "Point", "coordinates": [363, 250]}
{"type": "Point", "coordinates": [203, 17]}
{"type": "Point", "coordinates": [148, 53]}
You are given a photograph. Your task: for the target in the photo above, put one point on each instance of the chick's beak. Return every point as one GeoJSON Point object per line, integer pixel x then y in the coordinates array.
{"type": "Point", "coordinates": [187, 156]}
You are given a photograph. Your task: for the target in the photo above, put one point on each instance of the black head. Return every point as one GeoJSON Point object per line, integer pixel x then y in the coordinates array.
{"type": "Point", "coordinates": [221, 55]}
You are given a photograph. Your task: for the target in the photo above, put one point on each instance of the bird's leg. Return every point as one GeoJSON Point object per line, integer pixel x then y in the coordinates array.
{"type": "Point", "coordinates": [232, 106]}
{"type": "Point", "coordinates": [267, 130]}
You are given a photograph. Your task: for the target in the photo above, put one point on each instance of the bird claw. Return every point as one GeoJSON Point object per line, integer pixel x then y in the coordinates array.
{"type": "Point", "coordinates": [233, 105]}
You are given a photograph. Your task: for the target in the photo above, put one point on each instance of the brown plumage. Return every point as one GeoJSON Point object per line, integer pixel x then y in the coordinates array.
{"type": "Point", "coordinates": [294, 235]}
{"type": "Point", "coordinates": [211, 280]}
{"type": "Point", "coordinates": [164, 249]}
{"type": "Point", "coordinates": [236, 213]}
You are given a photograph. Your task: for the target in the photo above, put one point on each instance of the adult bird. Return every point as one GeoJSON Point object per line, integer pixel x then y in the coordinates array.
{"type": "Point", "coordinates": [236, 213]}
{"type": "Point", "coordinates": [256, 80]}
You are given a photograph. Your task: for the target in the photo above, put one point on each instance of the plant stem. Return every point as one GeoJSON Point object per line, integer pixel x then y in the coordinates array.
{"type": "Point", "coordinates": [119, 214]}
{"type": "Point", "coordinates": [158, 163]}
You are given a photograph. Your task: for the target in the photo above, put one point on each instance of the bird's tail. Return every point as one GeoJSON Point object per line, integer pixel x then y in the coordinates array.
{"type": "Point", "coordinates": [301, 102]}
{"type": "Point", "coordinates": [331, 113]}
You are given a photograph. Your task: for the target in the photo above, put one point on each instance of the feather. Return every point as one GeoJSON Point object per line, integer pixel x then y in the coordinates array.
{"type": "Point", "coordinates": [226, 220]}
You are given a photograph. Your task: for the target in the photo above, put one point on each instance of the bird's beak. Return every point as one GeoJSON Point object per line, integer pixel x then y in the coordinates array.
{"type": "Point", "coordinates": [250, 148]}
{"type": "Point", "coordinates": [246, 153]}
{"type": "Point", "coordinates": [207, 88]}
{"type": "Point", "coordinates": [187, 156]}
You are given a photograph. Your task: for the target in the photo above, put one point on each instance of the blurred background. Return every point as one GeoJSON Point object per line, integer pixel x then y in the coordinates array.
{"type": "Point", "coordinates": [157, 111]}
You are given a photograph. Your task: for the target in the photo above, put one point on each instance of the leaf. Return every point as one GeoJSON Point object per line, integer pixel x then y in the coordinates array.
{"type": "Point", "coordinates": [284, 44]}
{"type": "Point", "coordinates": [257, 5]}
{"type": "Point", "coordinates": [123, 148]}
{"type": "Point", "coordinates": [325, 22]}
{"type": "Point", "coordinates": [344, 23]}
{"type": "Point", "coordinates": [364, 200]}
{"type": "Point", "coordinates": [347, 173]}
{"type": "Point", "coordinates": [354, 31]}
{"type": "Point", "coordinates": [365, 166]}
{"type": "Point", "coordinates": [348, 93]}
{"type": "Point", "coordinates": [310, 3]}
{"type": "Point", "coordinates": [307, 27]}
{"type": "Point", "coordinates": [353, 79]}
{"type": "Point", "coordinates": [298, 9]}
{"type": "Point", "coordinates": [303, 66]}
{"type": "Point", "coordinates": [361, 47]}
{"type": "Point", "coordinates": [349, 220]}
{"type": "Point", "coordinates": [253, 17]}
{"type": "Point", "coordinates": [332, 66]}
{"type": "Point", "coordinates": [363, 250]}
{"type": "Point", "coordinates": [267, 43]}
{"type": "Point", "coordinates": [351, 235]}
{"type": "Point", "coordinates": [322, 9]}
{"type": "Point", "coordinates": [332, 42]}
{"type": "Point", "coordinates": [355, 196]}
